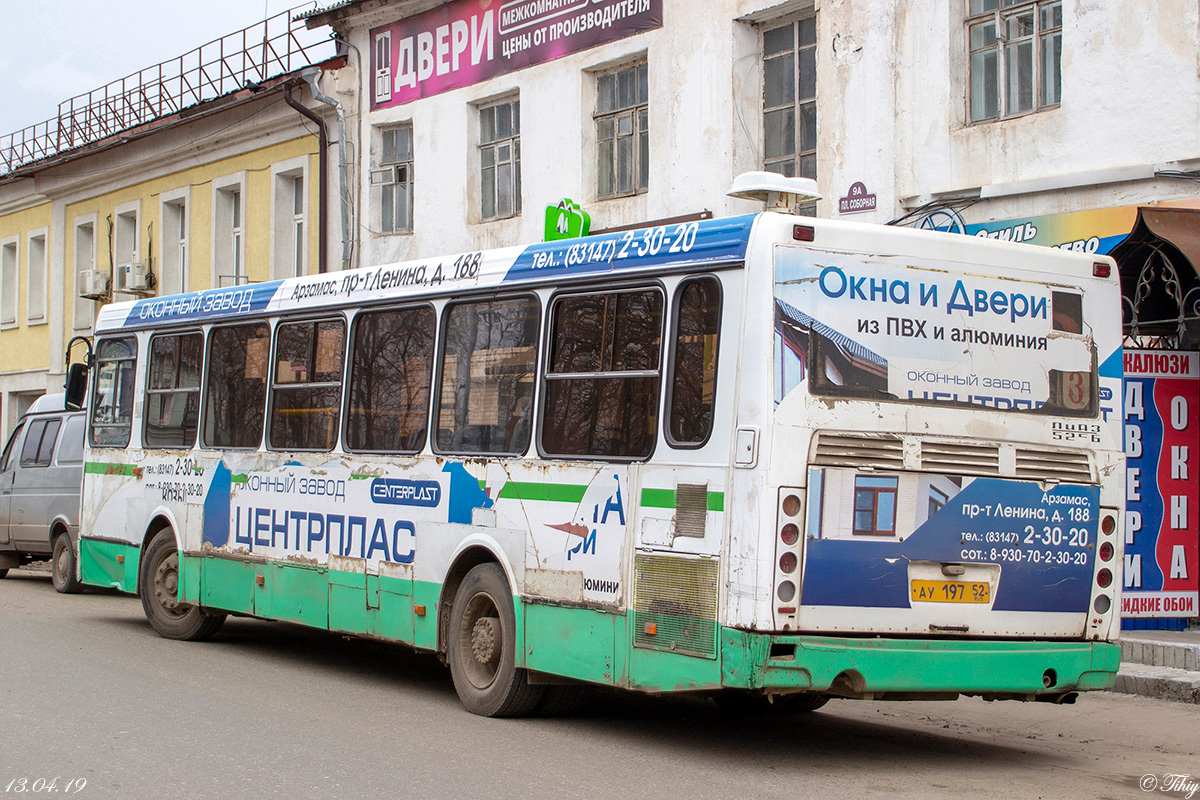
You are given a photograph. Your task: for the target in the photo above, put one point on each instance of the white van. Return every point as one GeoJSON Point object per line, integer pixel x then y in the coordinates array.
{"type": "Point", "coordinates": [41, 471]}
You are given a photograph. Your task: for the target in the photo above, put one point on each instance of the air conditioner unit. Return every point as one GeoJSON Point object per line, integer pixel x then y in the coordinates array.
{"type": "Point", "coordinates": [93, 284]}
{"type": "Point", "coordinates": [134, 278]}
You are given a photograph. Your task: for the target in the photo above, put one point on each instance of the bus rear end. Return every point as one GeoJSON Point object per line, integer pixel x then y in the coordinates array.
{"type": "Point", "coordinates": [944, 466]}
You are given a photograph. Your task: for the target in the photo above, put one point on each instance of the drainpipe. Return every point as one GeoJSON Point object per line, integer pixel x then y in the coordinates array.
{"type": "Point", "coordinates": [311, 74]}
{"type": "Point", "coordinates": [323, 146]}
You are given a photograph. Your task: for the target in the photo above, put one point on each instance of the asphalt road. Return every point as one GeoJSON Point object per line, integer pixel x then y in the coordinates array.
{"type": "Point", "coordinates": [264, 710]}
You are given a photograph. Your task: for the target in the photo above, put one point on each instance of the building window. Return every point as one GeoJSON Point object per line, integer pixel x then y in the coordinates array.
{"type": "Point", "coordinates": [937, 500]}
{"type": "Point", "coordinates": [1016, 56]}
{"type": "Point", "coordinates": [85, 261]}
{"type": "Point", "coordinates": [790, 100]}
{"type": "Point", "coordinates": [288, 252]}
{"type": "Point", "coordinates": [875, 505]}
{"type": "Point", "coordinates": [395, 180]}
{"type": "Point", "coordinates": [623, 132]}
{"type": "Point", "coordinates": [173, 266]}
{"type": "Point", "coordinates": [383, 67]}
{"type": "Point", "coordinates": [500, 160]}
{"type": "Point", "coordinates": [9, 285]}
{"type": "Point", "coordinates": [173, 391]}
{"type": "Point", "coordinates": [35, 299]}
{"type": "Point", "coordinates": [229, 224]}
{"type": "Point", "coordinates": [602, 380]}
{"type": "Point", "coordinates": [125, 244]}
{"type": "Point", "coordinates": [235, 389]}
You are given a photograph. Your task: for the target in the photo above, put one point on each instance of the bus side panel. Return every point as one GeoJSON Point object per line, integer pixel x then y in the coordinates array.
{"type": "Point", "coordinates": [110, 564]}
{"type": "Point", "coordinates": [227, 584]}
{"type": "Point", "coordinates": [575, 642]}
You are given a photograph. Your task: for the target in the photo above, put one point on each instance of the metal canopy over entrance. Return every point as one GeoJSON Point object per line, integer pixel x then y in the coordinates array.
{"type": "Point", "coordinates": [1160, 288]}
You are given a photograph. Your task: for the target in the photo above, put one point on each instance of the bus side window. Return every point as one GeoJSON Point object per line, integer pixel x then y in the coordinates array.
{"type": "Point", "coordinates": [235, 389]}
{"type": "Point", "coordinates": [173, 393]}
{"type": "Point", "coordinates": [307, 389]}
{"type": "Point", "coordinates": [112, 401]}
{"type": "Point", "coordinates": [601, 396]}
{"type": "Point", "coordinates": [390, 363]}
{"type": "Point", "coordinates": [693, 369]}
{"type": "Point", "coordinates": [489, 357]}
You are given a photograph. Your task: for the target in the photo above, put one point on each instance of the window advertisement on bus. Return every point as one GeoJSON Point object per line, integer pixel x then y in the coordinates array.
{"type": "Point", "coordinates": [879, 535]}
{"type": "Point", "coordinates": [1162, 448]}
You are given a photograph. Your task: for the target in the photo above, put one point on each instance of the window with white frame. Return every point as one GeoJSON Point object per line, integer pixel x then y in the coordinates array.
{"type": "Point", "coordinates": [289, 254]}
{"type": "Point", "coordinates": [394, 177]}
{"type": "Point", "coordinates": [85, 260]}
{"type": "Point", "coordinates": [229, 220]}
{"type": "Point", "coordinates": [9, 277]}
{"type": "Point", "coordinates": [790, 99]}
{"type": "Point", "coordinates": [1016, 56]}
{"type": "Point", "coordinates": [126, 248]}
{"type": "Point", "coordinates": [623, 131]}
{"type": "Point", "coordinates": [500, 159]}
{"type": "Point", "coordinates": [35, 292]}
{"type": "Point", "coordinates": [383, 67]}
{"type": "Point", "coordinates": [172, 270]}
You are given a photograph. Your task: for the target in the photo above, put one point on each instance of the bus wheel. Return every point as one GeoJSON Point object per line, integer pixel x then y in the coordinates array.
{"type": "Point", "coordinates": [482, 645]}
{"type": "Point", "coordinates": [159, 584]}
{"type": "Point", "coordinates": [62, 569]}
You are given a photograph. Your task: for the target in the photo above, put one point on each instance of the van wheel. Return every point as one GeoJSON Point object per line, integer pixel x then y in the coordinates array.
{"type": "Point", "coordinates": [482, 647]}
{"type": "Point", "coordinates": [159, 587]}
{"type": "Point", "coordinates": [62, 566]}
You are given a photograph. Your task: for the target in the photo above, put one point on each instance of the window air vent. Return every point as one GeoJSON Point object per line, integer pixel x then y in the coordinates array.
{"type": "Point", "coordinates": [957, 458]}
{"type": "Point", "coordinates": [1064, 466]}
{"type": "Point", "coordinates": [842, 450]}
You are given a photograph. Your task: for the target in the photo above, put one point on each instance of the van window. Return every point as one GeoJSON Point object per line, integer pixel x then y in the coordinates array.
{"type": "Point", "coordinates": [10, 449]}
{"type": "Point", "coordinates": [70, 446]}
{"type": "Point", "coordinates": [39, 444]}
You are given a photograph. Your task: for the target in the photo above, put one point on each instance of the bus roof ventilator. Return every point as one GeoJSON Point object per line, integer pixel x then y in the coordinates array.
{"type": "Point", "coordinates": [779, 192]}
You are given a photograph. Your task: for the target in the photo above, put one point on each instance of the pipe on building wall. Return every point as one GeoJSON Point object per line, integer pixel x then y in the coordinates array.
{"type": "Point", "coordinates": [312, 74]}
{"type": "Point", "coordinates": [322, 191]}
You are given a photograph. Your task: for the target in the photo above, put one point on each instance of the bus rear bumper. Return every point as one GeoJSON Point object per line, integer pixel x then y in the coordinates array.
{"type": "Point", "coordinates": [881, 667]}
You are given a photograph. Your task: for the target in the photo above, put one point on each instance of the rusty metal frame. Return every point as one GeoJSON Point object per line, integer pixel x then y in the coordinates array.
{"type": "Point", "coordinates": [243, 59]}
{"type": "Point", "coordinates": [1158, 270]}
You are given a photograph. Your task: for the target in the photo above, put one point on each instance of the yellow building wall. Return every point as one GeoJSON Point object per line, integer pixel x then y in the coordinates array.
{"type": "Point", "coordinates": [26, 346]}
{"type": "Point", "coordinates": [256, 165]}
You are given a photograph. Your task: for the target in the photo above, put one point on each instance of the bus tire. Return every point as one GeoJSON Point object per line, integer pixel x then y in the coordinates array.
{"type": "Point", "coordinates": [482, 647]}
{"type": "Point", "coordinates": [62, 566]}
{"type": "Point", "coordinates": [159, 583]}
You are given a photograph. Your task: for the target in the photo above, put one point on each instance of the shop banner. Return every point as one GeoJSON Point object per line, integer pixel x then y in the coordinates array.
{"type": "Point", "coordinates": [1162, 447]}
{"type": "Point", "coordinates": [465, 42]}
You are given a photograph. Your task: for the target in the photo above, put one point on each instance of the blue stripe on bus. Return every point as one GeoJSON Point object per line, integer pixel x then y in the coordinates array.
{"type": "Point", "coordinates": [706, 241]}
{"type": "Point", "coordinates": [204, 305]}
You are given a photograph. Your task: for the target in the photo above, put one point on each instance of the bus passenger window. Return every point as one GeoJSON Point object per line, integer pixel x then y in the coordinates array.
{"type": "Point", "coordinates": [601, 395]}
{"type": "Point", "coordinates": [112, 403]}
{"type": "Point", "coordinates": [173, 394]}
{"type": "Point", "coordinates": [236, 387]}
{"type": "Point", "coordinates": [391, 357]}
{"type": "Point", "coordinates": [694, 363]}
{"type": "Point", "coordinates": [489, 353]}
{"type": "Point", "coordinates": [307, 389]}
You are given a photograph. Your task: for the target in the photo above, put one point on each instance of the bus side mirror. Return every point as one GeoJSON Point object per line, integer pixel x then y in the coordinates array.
{"type": "Point", "coordinates": [76, 386]}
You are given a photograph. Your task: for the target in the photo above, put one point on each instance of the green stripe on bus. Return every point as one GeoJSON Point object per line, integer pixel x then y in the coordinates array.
{"type": "Point", "coordinates": [554, 492]}
{"type": "Point", "coordinates": [665, 498]}
{"type": "Point", "coordinates": [105, 468]}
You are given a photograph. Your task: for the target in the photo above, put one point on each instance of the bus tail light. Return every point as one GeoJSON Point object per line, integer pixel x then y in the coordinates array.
{"type": "Point", "coordinates": [1101, 269]}
{"type": "Point", "coordinates": [803, 233]}
{"type": "Point", "coordinates": [1106, 551]}
{"type": "Point", "coordinates": [1104, 578]}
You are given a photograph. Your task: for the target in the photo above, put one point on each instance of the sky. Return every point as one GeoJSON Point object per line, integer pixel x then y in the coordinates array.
{"type": "Point", "coordinates": [56, 49]}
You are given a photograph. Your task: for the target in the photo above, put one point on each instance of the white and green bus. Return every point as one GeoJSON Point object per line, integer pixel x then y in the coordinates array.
{"type": "Point", "coordinates": [768, 457]}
